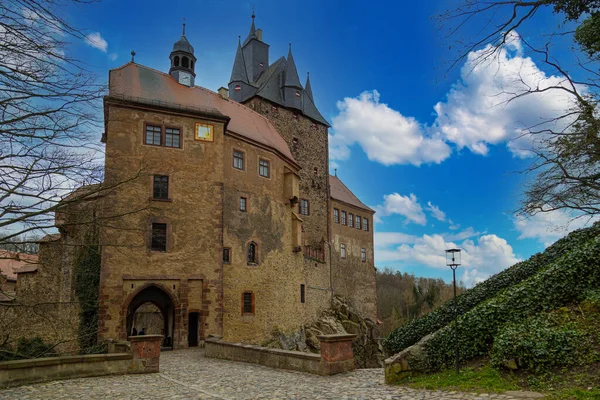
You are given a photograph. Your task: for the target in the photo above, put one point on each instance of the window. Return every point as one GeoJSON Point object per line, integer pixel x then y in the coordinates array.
{"type": "Point", "coordinates": [302, 293]}
{"type": "Point", "coordinates": [343, 250]}
{"type": "Point", "coordinates": [176, 61]}
{"type": "Point", "coordinates": [172, 137]}
{"type": "Point", "coordinates": [159, 237]}
{"type": "Point", "coordinates": [363, 255]}
{"type": "Point", "coordinates": [161, 187]}
{"type": "Point", "coordinates": [243, 201]}
{"type": "Point", "coordinates": [248, 303]}
{"type": "Point", "coordinates": [263, 168]}
{"type": "Point", "coordinates": [351, 220]}
{"type": "Point", "coordinates": [184, 62]}
{"type": "Point", "coordinates": [191, 64]}
{"type": "Point", "coordinates": [343, 217]}
{"type": "Point", "coordinates": [273, 108]}
{"type": "Point", "coordinates": [357, 222]}
{"type": "Point", "coordinates": [316, 171]}
{"type": "Point", "coordinates": [153, 135]}
{"type": "Point", "coordinates": [252, 258]}
{"type": "Point", "coordinates": [365, 224]}
{"type": "Point", "coordinates": [226, 255]}
{"type": "Point", "coordinates": [304, 207]}
{"type": "Point", "coordinates": [336, 215]}
{"type": "Point", "coordinates": [296, 117]}
{"type": "Point", "coordinates": [238, 88]}
{"type": "Point", "coordinates": [238, 160]}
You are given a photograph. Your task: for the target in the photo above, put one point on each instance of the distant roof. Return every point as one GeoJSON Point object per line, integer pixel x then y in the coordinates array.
{"type": "Point", "coordinates": [339, 191]}
{"type": "Point", "coordinates": [139, 83]}
{"type": "Point", "coordinates": [11, 262]}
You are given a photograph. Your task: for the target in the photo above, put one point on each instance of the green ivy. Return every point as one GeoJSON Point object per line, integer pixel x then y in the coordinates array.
{"type": "Point", "coordinates": [412, 332]}
{"type": "Point", "coordinates": [27, 348]}
{"type": "Point", "coordinates": [563, 281]}
{"type": "Point", "coordinates": [87, 286]}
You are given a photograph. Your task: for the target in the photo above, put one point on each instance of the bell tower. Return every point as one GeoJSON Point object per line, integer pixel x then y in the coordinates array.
{"type": "Point", "coordinates": [183, 61]}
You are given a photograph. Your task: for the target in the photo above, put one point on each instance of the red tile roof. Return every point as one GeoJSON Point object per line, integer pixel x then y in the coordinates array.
{"type": "Point", "coordinates": [137, 82]}
{"type": "Point", "coordinates": [11, 263]}
{"type": "Point", "coordinates": [340, 192]}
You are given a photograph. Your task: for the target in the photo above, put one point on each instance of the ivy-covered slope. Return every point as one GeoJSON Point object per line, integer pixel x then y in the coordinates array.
{"type": "Point", "coordinates": [412, 332]}
{"type": "Point", "coordinates": [563, 281]}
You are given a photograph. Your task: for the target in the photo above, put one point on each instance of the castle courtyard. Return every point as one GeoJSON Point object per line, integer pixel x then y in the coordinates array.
{"type": "Point", "coordinates": [187, 374]}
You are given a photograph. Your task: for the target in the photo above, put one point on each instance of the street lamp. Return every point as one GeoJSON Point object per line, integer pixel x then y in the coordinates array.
{"type": "Point", "coordinates": [453, 261]}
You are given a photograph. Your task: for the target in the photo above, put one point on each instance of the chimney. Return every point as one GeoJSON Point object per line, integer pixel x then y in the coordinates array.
{"type": "Point", "coordinates": [259, 34]}
{"type": "Point", "coordinates": [224, 92]}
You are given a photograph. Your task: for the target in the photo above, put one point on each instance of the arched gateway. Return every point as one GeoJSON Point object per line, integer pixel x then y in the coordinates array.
{"type": "Point", "coordinates": [152, 309]}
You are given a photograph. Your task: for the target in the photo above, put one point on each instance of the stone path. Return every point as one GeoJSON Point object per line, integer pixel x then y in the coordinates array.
{"type": "Point", "coordinates": [186, 374]}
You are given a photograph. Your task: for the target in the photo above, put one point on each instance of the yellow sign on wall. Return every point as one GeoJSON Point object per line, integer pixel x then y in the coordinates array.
{"type": "Point", "coordinates": [204, 132]}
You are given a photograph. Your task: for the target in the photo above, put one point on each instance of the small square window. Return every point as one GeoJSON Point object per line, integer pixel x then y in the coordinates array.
{"type": "Point", "coordinates": [243, 202]}
{"type": "Point", "coordinates": [357, 222]}
{"type": "Point", "coordinates": [161, 187]}
{"type": "Point", "coordinates": [365, 224]}
{"type": "Point", "coordinates": [351, 220]}
{"type": "Point", "coordinates": [342, 250]}
{"type": "Point", "coordinates": [159, 237]}
{"type": "Point", "coordinates": [263, 168]}
{"type": "Point", "coordinates": [238, 160]}
{"type": "Point", "coordinates": [304, 207]}
{"type": "Point", "coordinates": [363, 255]}
{"type": "Point", "coordinates": [248, 303]}
{"type": "Point", "coordinates": [153, 135]}
{"type": "Point", "coordinates": [343, 217]}
{"type": "Point", "coordinates": [336, 215]}
{"type": "Point", "coordinates": [226, 255]}
{"type": "Point", "coordinates": [302, 293]}
{"type": "Point", "coordinates": [172, 137]}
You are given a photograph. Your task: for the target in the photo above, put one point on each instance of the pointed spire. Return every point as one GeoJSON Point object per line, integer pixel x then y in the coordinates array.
{"type": "Point", "coordinates": [183, 33]}
{"type": "Point", "coordinates": [252, 33]}
{"type": "Point", "coordinates": [238, 73]}
{"type": "Point", "coordinates": [307, 87]}
{"type": "Point", "coordinates": [291, 73]}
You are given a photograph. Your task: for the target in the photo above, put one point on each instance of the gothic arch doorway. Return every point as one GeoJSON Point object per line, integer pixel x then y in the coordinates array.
{"type": "Point", "coordinates": [154, 310]}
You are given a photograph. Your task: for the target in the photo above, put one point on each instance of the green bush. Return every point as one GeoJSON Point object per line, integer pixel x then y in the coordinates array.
{"type": "Point", "coordinates": [538, 344]}
{"type": "Point", "coordinates": [412, 332]}
{"type": "Point", "coordinates": [563, 281]}
{"type": "Point", "coordinates": [27, 348]}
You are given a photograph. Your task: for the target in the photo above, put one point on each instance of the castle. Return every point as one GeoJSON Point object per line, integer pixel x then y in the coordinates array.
{"type": "Point", "coordinates": [229, 222]}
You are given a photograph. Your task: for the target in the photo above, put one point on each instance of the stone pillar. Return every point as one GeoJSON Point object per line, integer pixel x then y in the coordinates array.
{"type": "Point", "coordinates": [146, 350]}
{"type": "Point", "coordinates": [336, 353]}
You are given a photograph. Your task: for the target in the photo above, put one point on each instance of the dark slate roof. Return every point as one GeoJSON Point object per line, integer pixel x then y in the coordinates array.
{"type": "Point", "coordinates": [138, 83]}
{"type": "Point", "coordinates": [308, 88]}
{"type": "Point", "coordinates": [291, 73]}
{"type": "Point", "coordinates": [239, 73]}
{"type": "Point", "coordinates": [183, 45]}
{"type": "Point", "coordinates": [339, 191]}
{"type": "Point", "coordinates": [251, 34]}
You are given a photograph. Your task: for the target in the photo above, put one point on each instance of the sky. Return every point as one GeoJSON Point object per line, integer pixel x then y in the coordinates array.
{"type": "Point", "coordinates": [431, 148]}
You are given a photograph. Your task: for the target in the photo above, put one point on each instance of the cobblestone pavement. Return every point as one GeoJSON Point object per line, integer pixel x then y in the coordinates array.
{"type": "Point", "coordinates": [186, 374]}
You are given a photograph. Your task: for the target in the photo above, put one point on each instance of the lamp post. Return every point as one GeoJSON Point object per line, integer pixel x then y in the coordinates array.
{"type": "Point", "coordinates": [453, 261]}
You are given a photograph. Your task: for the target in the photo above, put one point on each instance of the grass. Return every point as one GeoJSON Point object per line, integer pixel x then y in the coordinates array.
{"type": "Point", "coordinates": [484, 379]}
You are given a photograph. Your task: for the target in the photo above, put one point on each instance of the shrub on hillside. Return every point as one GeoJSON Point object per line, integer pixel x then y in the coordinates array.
{"type": "Point", "coordinates": [412, 332]}
{"type": "Point", "coordinates": [539, 344]}
{"type": "Point", "coordinates": [564, 281]}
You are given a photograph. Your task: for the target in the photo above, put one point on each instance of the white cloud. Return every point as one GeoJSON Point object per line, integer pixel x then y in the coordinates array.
{"type": "Point", "coordinates": [436, 212]}
{"type": "Point", "coordinates": [113, 56]}
{"type": "Point", "coordinates": [96, 40]}
{"type": "Point", "coordinates": [407, 206]}
{"type": "Point", "coordinates": [479, 110]}
{"type": "Point", "coordinates": [464, 234]}
{"type": "Point", "coordinates": [481, 258]}
{"type": "Point", "coordinates": [551, 226]}
{"type": "Point", "coordinates": [385, 134]}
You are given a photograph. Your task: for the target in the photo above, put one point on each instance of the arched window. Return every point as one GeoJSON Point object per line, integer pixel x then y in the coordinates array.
{"type": "Point", "coordinates": [176, 61]}
{"type": "Point", "coordinates": [185, 62]}
{"type": "Point", "coordinates": [252, 256]}
{"type": "Point", "coordinates": [191, 64]}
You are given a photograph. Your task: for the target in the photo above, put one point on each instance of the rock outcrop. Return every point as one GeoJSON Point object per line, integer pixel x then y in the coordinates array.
{"type": "Point", "coordinates": [342, 317]}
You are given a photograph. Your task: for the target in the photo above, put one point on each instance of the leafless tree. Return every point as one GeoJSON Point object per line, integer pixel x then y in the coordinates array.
{"type": "Point", "coordinates": [565, 172]}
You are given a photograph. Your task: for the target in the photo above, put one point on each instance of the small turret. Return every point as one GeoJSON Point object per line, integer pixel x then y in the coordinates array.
{"type": "Point", "coordinates": [183, 61]}
{"type": "Point", "coordinates": [308, 88]}
{"type": "Point", "coordinates": [292, 89]}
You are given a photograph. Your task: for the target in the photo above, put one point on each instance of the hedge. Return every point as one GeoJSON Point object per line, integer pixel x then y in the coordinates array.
{"type": "Point", "coordinates": [411, 333]}
{"type": "Point", "coordinates": [565, 280]}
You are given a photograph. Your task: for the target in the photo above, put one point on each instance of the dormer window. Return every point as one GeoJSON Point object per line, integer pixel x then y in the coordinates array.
{"type": "Point", "coordinates": [176, 61]}
{"type": "Point", "coordinates": [238, 88]}
{"type": "Point", "coordinates": [185, 62]}
{"type": "Point", "coordinates": [297, 94]}
{"type": "Point", "coordinates": [261, 64]}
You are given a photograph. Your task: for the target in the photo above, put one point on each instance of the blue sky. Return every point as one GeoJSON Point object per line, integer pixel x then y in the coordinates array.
{"type": "Point", "coordinates": [431, 149]}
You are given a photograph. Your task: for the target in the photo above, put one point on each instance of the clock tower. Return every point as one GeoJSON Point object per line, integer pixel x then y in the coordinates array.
{"type": "Point", "coordinates": [183, 61]}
